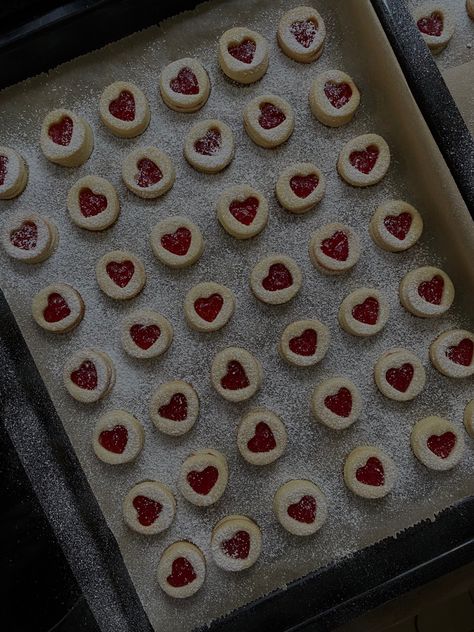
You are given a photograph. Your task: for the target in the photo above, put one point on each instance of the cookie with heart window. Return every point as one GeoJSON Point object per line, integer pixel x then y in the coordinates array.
{"type": "Point", "coordinates": [243, 55]}
{"type": "Point", "coordinates": [300, 507]}
{"type": "Point", "coordinates": [364, 312]}
{"type": "Point", "coordinates": [208, 306]}
{"type": "Point", "coordinates": [66, 138]}
{"type": "Point", "coordinates": [261, 437]}
{"type": "Point", "coordinates": [370, 472]}
{"type": "Point", "coordinates": [437, 443]}
{"type": "Point", "coordinates": [236, 543]}
{"type": "Point", "coordinates": [184, 85]}
{"type": "Point", "coordinates": [468, 418]}
{"type": "Point", "coordinates": [334, 248]}
{"type": "Point", "coordinates": [399, 375]}
{"type": "Point", "coordinates": [276, 279]}
{"type": "Point", "coordinates": [118, 437]}
{"type": "Point", "coordinates": [13, 173]}
{"type": "Point", "coordinates": [181, 570]}
{"type": "Point", "coordinates": [336, 403]}
{"type": "Point", "coordinates": [148, 172]}
{"type": "Point", "coordinates": [58, 308]}
{"type": "Point", "coordinates": [177, 242]}
{"type": "Point", "coordinates": [236, 374]}
{"type": "Point", "coordinates": [242, 211]}
{"type": "Point", "coordinates": [124, 109]}
{"type": "Point", "coordinates": [203, 477]}
{"type": "Point", "coordinates": [269, 120]}
{"type": "Point", "coordinates": [396, 226]}
{"type": "Point", "coordinates": [174, 407]}
{"type": "Point", "coordinates": [89, 375]}
{"type": "Point", "coordinates": [29, 238]}
{"type": "Point", "coordinates": [435, 25]}
{"type": "Point", "coordinates": [146, 334]}
{"type": "Point", "coordinates": [426, 292]}
{"type": "Point", "coordinates": [209, 146]}
{"type": "Point", "coordinates": [304, 342]}
{"type": "Point", "coordinates": [452, 353]}
{"type": "Point", "coordinates": [93, 203]}
{"type": "Point", "coordinates": [300, 187]}
{"type": "Point", "coordinates": [364, 160]}
{"type": "Point", "coordinates": [301, 34]}
{"type": "Point", "coordinates": [120, 274]}
{"type": "Point", "coordinates": [149, 507]}
{"type": "Point", "coordinates": [334, 98]}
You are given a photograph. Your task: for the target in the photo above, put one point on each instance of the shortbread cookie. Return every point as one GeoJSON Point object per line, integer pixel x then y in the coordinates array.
{"type": "Point", "coordinates": [269, 120]}
{"type": "Point", "coordinates": [124, 109]}
{"type": "Point", "coordinates": [89, 375]}
{"type": "Point", "coordinates": [208, 306]}
{"type": "Point", "coordinates": [336, 403]}
{"type": "Point", "coordinates": [369, 472]}
{"type": "Point", "coordinates": [66, 138]}
{"type": "Point", "coordinates": [146, 334]}
{"type": "Point", "coordinates": [334, 248]}
{"type": "Point", "coordinates": [118, 437]}
{"type": "Point", "coordinates": [276, 279]}
{"type": "Point", "coordinates": [29, 238]}
{"type": "Point", "coordinates": [209, 146]}
{"type": "Point", "coordinates": [182, 570]}
{"type": "Point", "coordinates": [399, 375]}
{"type": "Point", "coordinates": [236, 543]}
{"type": "Point", "coordinates": [304, 342]}
{"type": "Point", "coordinates": [149, 507]}
{"type": "Point", "coordinates": [468, 418]}
{"type": "Point", "coordinates": [148, 172]}
{"type": "Point", "coordinates": [203, 478]}
{"type": "Point", "coordinates": [437, 443]}
{"type": "Point", "coordinates": [177, 242]}
{"type": "Point", "coordinates": [426, 292]}
{"type": "Point", "coordinates": [242, 211]}
{"type": "Point", "coordinates": [300, 507]}
{"type": "Point", "coordinates": [364, 312]}
{"type": "Point", "coordinates": [13, 173]}
{"type": "Point", "coordinates": [452, 353]}
{"type": "Point", "coordinates": [58, 308]}
{"type": "Point", "coordinates": [396, 226]}
{"type": "Point", "coordinates": [243, 55]}
{"type": "Point", "coordinates": [184, 85]}
{"type": "Point", "coordinates": [261, 437]}
{"type": "Point", "coordinates": [236, 374]}
{"type": "Point", "coordinates": [300, 187]}
{"type": "Point", "coordinates": [364, 160]}
{"type": "Point", "coordinates": [93, 203]}
{"type": "Point", "coordinates": [435, 25]}
{"type": "Point", "coordinates": [334, 98]}
{"type": "Point", "coordinates": [174, 407]}
{"type": "Point", "coordinates": [301, 34]}
{"type": "Point", "coordinates": [470, 8]}
{"type": "Point", "coordinates": [120, 274]}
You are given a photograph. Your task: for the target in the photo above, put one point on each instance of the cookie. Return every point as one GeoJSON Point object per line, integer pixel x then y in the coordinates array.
{"type": "Point", "coordinates": [93, 203]}
{"type": "Point", "coordinates": [236, 374]}
{"type": "Point", "coordinates": [300, 187]}
{"type": "Point", "coordinates": [243, 55]}
{"type": "Point", "coordinates": [184, 85]}
{"type": "Point", "coordinates": [336, 403]}
{"type": "Point", "coordinates": [261, 437]}
{"type": "Point", "coordinates": [276, 279]}
{"type": "Point", "coordinates": [399, 375]}
{"type": "Point", "coordinates": [209, 146]}
{"type": "Point", "coordinates": [304, 342]}
{"type": "Point", "coordinates": [269, 120]}
{"type": "Point", "coordinates": [334, 248]}
{"type": "Point", "coordinates": [58, 308]}
{"type": "Point", "coordinates": [437, 443]}
{"type": "Point", "coordinates": [452, 353]}
{"type": "Point", "coordinates": [89, 375]}
{"type": "Point", "coordinates": [242, 211]}
{"type": "Point", "coordinates": [369, 472]}
{"type": "Point", "coordinates": [120, 274]}
{"type": "Point", "coordinates": [435, 24]}
{"type": "Point", "coordinates": [29, 238]}
{"type": "Point", "coordinates": [468, 418]}
{"type": "Point", "coordinates": [182, 570]}
{"type": "Point", "coordinates": [149, 508]}
{"type": "Point", "coordinates": [301, 34]}
{"type": "Point", "coordinates": [300, 507]}
{"type": "Point", "coordinates": [208, 306]}
{"type": "Point", "coordinates": [124, 109]}
{"type": "Point", "coordinates": [364, 312]}
{"type": "Point", "coordinates": [177, 242]}
{"type": "Point", "coordinates": [470, 8]}
{"type": "Point", "coordinates": [118, 437]}
{"type": "Point", "coordinates": [334, 98]}
{"type": "Point", "coordinates": [396, 226]}
{"type": "Point", "coordinates": [148, 172]}
{"type": "Point", "coordinates": [13, 173]}
{"type": "Point", "coordinates": [174, 408]}
{"type": "Point", "coordinates": [236, 543]}
{"type": "Point", "coordinates": [364, 160]}
{"type": "Point", "coordinates": [66, 139]}
{"type": "Point", "coordinates": [146, 334]}
{"type": "Point", "coordinates": [426, 292]}
{"type": "Point", "coordinates": [203, 477]}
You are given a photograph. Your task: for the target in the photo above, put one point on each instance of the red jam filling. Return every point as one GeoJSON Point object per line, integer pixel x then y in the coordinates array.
{"type": "Point", "coordinates": [235, 378]}
{"type": "Point", "coordinates": [340, 403]}
{"type": "Point", "coordinates": [442, 445]}
{"type": "Point", "coordinates": [302, 186]}
{"type": "Point", "coordinates": [400, 378]}
{"type": "Point", "coordinates": [367, 312]}
{"type": "Point", "coordinates": [432, 291]}
{"type": "Point", "coordinates": [91, 204]}
{"type": "Point", "coordinates": [431, 24]}
{"type": "Point", "coordinates": [203, 482]}
{"type": "Point", "coordinates": [182, 573]}
{"type": "Point", "coordinates": [178, 242]}
{"type": "Point", "coordinates": [209, 308]}
{"type": "Point", "coordinates": [238, 546]}
{"type": "Point", "coordinates": [304, 32]}
{"type": "Point", "coordinates": [270, 116]}
{"type": "Point", "coordinates": [144, 336]}
{"type": "Point", "coordinates": [244, 51]}
{"type": "Point", "coordinates": [147, 510]}
{"type": "Point", "coordinates": [278, 278]}
{"type": "Point", "coordinates": [114, 440]}
{"type": "Point", "coordinates": [3, 169]}
{"type": "Point", "coordinates": [364, 161]}
{"type": "Point", "coordinates": [263, 439]}
{"type": "Point", "coordinates": [338, 94]}
{"type": "Point", "coordinates": [176, 409]}
{"type": "Point", "coordinates": [336, 247]}
{"type": "Point", "coordinates": [210, 143]}
{"type": "Point", "coordinates": [304, 345]}
{"type": "Point", "coordinates": [25, 237]}
{"type": "Point", "coordinates": [398, 225]}
{"type": "Point", "coordinates": [123, 107]}
{"type": "Point", "coordinates": [185, 82]}
{"type": "Point", "coordinates": [371, 473]}
{"type": "Point", "coordinates": [85, 376]}
{"type": "Point", "coordinates": [304, 510]}
{"type": "Point", "coordinates": [61, 132]}
{"type": "Point", "coordinates": [120, 272]}
{"type": "Point", "coordinates": [462, 353]}
{"type": "Point", "coordinates": [244, 212]}
{"type": "Point", "coordinates": [56, 309]}
{"type": "Point", "coordinates": [148, 173]}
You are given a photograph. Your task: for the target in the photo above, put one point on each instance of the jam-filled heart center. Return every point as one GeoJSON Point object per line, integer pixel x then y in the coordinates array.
{"type": "Point", "coordinates": [337, 246]}
{"type": "Point", "coordinates": [340, 403]}
{"type": "Point", "coordinates": [398, 225]}
{"type": "Point", "coordinates": [57, 308]}
{"type": "Point", "coordinates": [304, 510]}
{"type": "Point", "coordinates": [367, 312]}
{"type": "Point", "coordinates": [244, 51]}
{"type": "Point", "coordinates": [85, 376]}
{"type": "Point", "coordinates": [263, 440]}
{"type": "Point", "coordinates": [202, 482]}
{"type": "Point", "coordinates": [210, 143]}
{"type": "Point", "coordinates": [305, 344]}
{"type": "Point", "coordinates": [461, 353]}
{"type": "Point", "coordinates": [90, 203]}
{"type": "Point", "coordinates": [147, 510]}
{"type": "Point", "coordinates": [235, 378]}
{"type": "Point", "coordinates": [114, 440]}
{"type": "Point", "coordinates": [245, 211]}
{"type": "Point", "coordinates": [400, 377]}
{"type": "Point", "coordinates": [304, 32]}
{"type": "Point", "coordinates": [432, 291]}
{"type": "Point", "coordinates": [270, 116]}
{"type": "Point", "coordinates": [144, 336]}
{"type": "Point", "coordinates": [3, 169]}
{"type": "Point", "coordinates": [431, 24]}
{"type": "Point", "coordinates": [442, 445]}
{"type": "Point", "coordinates": [338, 94]}
{"type": "Point", "coordinates": [238, 546]}
{"type": "Point", "coordinates": [278, 278]}
{"type": "Point", "coordinates": [302, 186]}
{"type": "Point", "coordinates": [372, 473]}
{"type": "Point", "coordinates": [148, 173]}
{"type": "Point", "coordinates": [176, 409]}
{"type": "Point", "coordinates": [25, 237]}
{"type": "Point", "coordinates": [185, 82]}
{"type": "Point", "coordinates": [208, 308]}
{"type": "Point", "coordinates": [364, 161]}
{"type": "Point", "coordinates": [120, 272]}
{"type": "Point", "coordinates": [123, 107]}
{"type": "Point", "coordinates": [177, 243]}
{"type": "Point", "coordinates": [182, 573]}
{"type": "Point", "coordinates": [61, 132]}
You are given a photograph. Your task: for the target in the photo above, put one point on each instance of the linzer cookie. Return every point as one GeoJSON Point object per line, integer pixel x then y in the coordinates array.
{"type": "Point", "coordinates": [435, 24]}
{"type": "Point", "coordinates": [236, 374]}
{"type": "Point", "coordinates": [334, 98]}
{"type": "Point", "coordinates": [58, 308]}
{"type": "Point", "coordinates": [300, 507]}
{"type": "Point", "coordinates": [203, 478]}
{"type": "Point", "coordinates": [184, 85]}
{"type": "Point", "coordinates": [261, 437]}
{"type": "Point", "coordinates": [369, 472]}
{"type": "Point", "coordinates": [146, 334]}
{"type": "Point", "coordinates": [276, 279]}
{"type": "Point", "coordinates": [364, 160]}
{"type": "Point", "coordinates": [399, 375]}
{"type": "Point", "coordinates": [89, 375]}
{"type": "Point", "coordinates": [243, 55]}
{"type": "Point", "coordinates": [300, 187]}
{"type": "Point", "coordinates": [304, 342]}
{"type": "Point", "coordinates": [124, 109]}
{"type": "Point", "coordinates": [208, 306]}
{"type": "Point", "coordinates": [396, 226]}
{"type": "Point", "coordinates": [301, 34]}
{"type": "Point", "coordinates": [66, 138]}
{"type": "Point", "coordinates": [148, 172]}
{"type": "Point", "coordinates": [182, 570]}
{"type": "Point", "coordinates": [426, 292]}
{"type": "Point", "coordinates": [118, 437]}
{"type": "Point", "coordinates": [336, 403]}
{"type": "Point", "coordinates": [468, 418]}
{"type": "Point", "coordinates": [13, 173]}
{"type": "Point", "coordinates": [149, 508]}
{"type": "Point", "coordinates": [269, 120]}
{"type": "Point", "coordinates": [437, 443]}
{"type": "Point", "coordinates": [364, 312]}
{"type": "Point", "coordinates": [236, 543]}
{"type": "Point", "coordinates": [29, 238]}
{"type": "Point", "coordinates": [120, 274]}
{"type": "Point", "coordinates": [334, 248]}
{"type": "Point", "coordinates": [452, 353]}
{"type": "Point", "coordinates": [209, 146]}
{"type": "Point", "coordinates": [93, 203]}
{"type": "Point", "coordinates": [242, 211]}
{"type": "Point", "coordinates": [177, 242]}
{"type": "Point", "coordinates": [174, 407]}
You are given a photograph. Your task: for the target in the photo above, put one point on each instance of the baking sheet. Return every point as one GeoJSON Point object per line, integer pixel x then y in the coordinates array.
{"type": "Point", "coordinates": [417, 174]}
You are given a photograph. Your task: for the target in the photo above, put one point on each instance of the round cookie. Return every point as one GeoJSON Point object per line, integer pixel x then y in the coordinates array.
{"type": "Point", "coordinates": [269, 120]}
{"type": "Point", "coordinates": [261, 437]}
{"type": "Point", "coordinates": [369, 472]}
{"type": "Point", "coordinates": [148, 172]}
{"type": "Point", "coordinates": [304, 342]}
{"type": "Point", "coordinates": [118, 437]}
{"type": "Point", "coordinates": [364, 160]}
{"type": "Point", "coordinates": [184, 85]}
{"type": "Point", "coordinates": [470, 8]}
{"type": "Point", "coordinates": [174, 407]}
{"type": "Point", "coordinates": [435, 25]}
{"type": "Point", "coordinates": [437, 443]}
{"type": "Point", "coordinates": [334, 98]}
{"type": "Point", "coordinates": [182, 570]}
{"type": "Point", "coordinates": [177, 242]}
{"type": "Point", "coordinates": [399, 375]}
{"type": "Point", "coordinates": [208, 306]}
{"type": "Point", "coordinates": [29, 238]}
{"type": "Point", "coordinates": [468, 418]}
{"type": "Point", "coordinates": [364, 312]}
{"type": "Point", "coordinates": [236, 374]}
{"type": "Point", "coordinates": [120, 274]}
{"type": "Point", "coordinates": [13, 173]}
{"type": "Point", "coordinates": [396, 226]}
{"type": "Point", "coordinates": [203, 477]}
{"type": "Point", "coordinates": [426, 292]}
{"type": "Point", "coordinates": [66, 139]}
{"type": "Point", "coordinates": [336, 403]}
{"type": "Point", "coordinates": [243, 55]}
{"type": "Point", "coordinates": [124, 110]}
{"type": "Point", "coordinates": [452, 353]}
{"type": "Point", "coordinates": [146, 334]}
{"type": "Point", "coordinates": [58, 308]}
{"type": "Point", "coordinates": [209, 146]}
{"type": "Point", "coordinates": [300, 187]}
{"type": "Point", "coordinates": [149, 507]}
{"type": "Point", "coordinates": [300, 507]}
{"type": "Point", "coordinates": [276, 279]}
{"type": "Point", "coordinates": [334, 248]}
{"type": "Point", "coordinates": [93, 203]}
{"type": "Point", "coordinates": [89, 375]}
{"type": "Point", "coordinates": [242, 211]}
{"type": "Point", "coordinates": [301, 34]}
{"type": "Point", "coordinates": [236, 543]}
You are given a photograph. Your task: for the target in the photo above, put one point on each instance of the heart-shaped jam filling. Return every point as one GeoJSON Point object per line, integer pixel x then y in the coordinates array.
{"type": "Point", "coordinates": [61, 132]}
{"type": "Point", "coordinates": [56, 309]}
{"type": "Point", "coordinates": [304, 345]}
{"type": "Point", "coordinates": [178, 242]}
{"type": "Point", "coordinates": [304, 32]}
{"type": "Point", "coordinates": [185, 82]}
{"type": "Point", "coordinates": [85, 376]}
{"type": "Point", "coordinates": [302, 186]}
{"type": "Point", "coordinates": [148, 173]}
{"type": "Point", "coordinates": [202, 482]}
{"type": "Point", "coordinates": [263, 440]}
{"type": "Point", "coordinates": [144, 336]}
{"type": "Point", "coordinates": [367, 312]}
{"type": "Point", "coordinates": [461, 353]}
{"type": "Point", "coordinates": [304, 510]}
{"type": "Point", "coordinates": [235, 378]}
{"type": "Point", "coordinates": [338, 94]}
{"type": "Point", "coordinates": [25, 237]}
{"type": "Point", "coordinates": [431, 24]}
{"type": "Point", "coordinates": [176, 409]}
{"type": "Point", "coordinates": [340, 403]}
{"type": "Point", "coordinates": [123, 107]}
{"type": "Point", "coordinates": [364, 161]}
{"type": "Point", "coordinates": [238, 546]}
{"type": "Point", "coordinates": [371, 473]}
{"type": "Point", "coordinates": [400, 378]}
{"type": "Point", "coordinates": [271, 116]}
{"type": "Point", "coordinates": [244, 51]}
{"type": "Point", "coordinates": [147, 510]}
{"type": "Point", "coordinates": [398, 225]}
{"type": "Point", "coordinates": [442, 445]}
{"type": "Point", "coordinates": [210, 143]}
{"type": "Point", "coordinates": [244, 212]}
{"type": "Point", "coordinates": [120, 272]}
{"type": "Point", "coordinates": [432, 291]}
{"type": "Point", "coordinates": [336, 247]}
{"type": "Point", "coordinates": [91, 203]}
{"type": "Point", "coordinates": [114, 440]}
{"type": "Point", "coordinates": [3, 169]}
{"type": "Point", "coordinates": [182, 573]}
{"type": "Point", "coordinates": [209, 308]}
{"type": "Point", "coordinates": [278, 278]}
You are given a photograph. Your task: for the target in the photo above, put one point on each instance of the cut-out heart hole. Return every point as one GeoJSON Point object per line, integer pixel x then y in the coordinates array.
{"type": "Point", "coordinates": [185, 82]}
{"type": "Point", "coordinates": [202, 482]}
{"type": "Point", "coordinates": [182, 573]}
{"type": "Point", "coordinates": [337, 246]}
{"type": "Point", "coordinates": [244, 52]}
{"type": "Point", "coordinates": [461, 353]}
{"type": "Point", "coordinates": [3, 169]}
{"type": "Point", "coordinates": [400, 378]}
{"type": "Point", "coordinates": [367, 312]}
{"type": "Point", "coordinates": [304, 32]}
{"type": "Point", "coordinates": [209, 308]}
{"type": "Point", "coordinates": [178, 242]}
{"type": "Point", "coordinates": [271, 116]}
{"type": "Point", "coordinates": [148, 173]}
{"type": "Point", "coordinates": [57, 309]}
{"type": "Point", "coordinates": [210, 143]}
{"type": "Point", "coordinates": [278, 278]}
{"type": "Point", "coordinates": [398, 225]}
{"type": "Point", "coordinates": [244, 212]}
{"type": "Point", "coordinates": [235, 378]}
{"type": "Point", "coordinates": [85, 376]}
{"type": "Point", "coordinates": [442, 445]}
{"type": "Point", "coordinates": [304, 510]}
{"type": "Point", "coordinates": [147, 510]}
{"type": "Point", "coordinates": [372, 473]}
{"type": "Point", "coordinates": [263, 439]}
{"type": "Point", "coordinates": [176, 409]}
{"type": "Point", "coordinates": [302, 186]}
{"type": "Point", "coordinates": [144, 336]}
{"type": "Point", "coordinates": [432, 291]}
{"type": "Point", "coordinates": [120, 272]}
{"type": "Point", "coordinates": [114, 440]}
{"type": "Point", "coordinates": [305, 344]}
{"type": "Point", "coordinates": [340, 403]}
{"type": "Point", "coordinates": [61, 132]}
{"type": "Point", "coordinates": [364, 161]}
{"type": "Point", "coordinates": [123, 107]}
{"type": "Point", "coordinates": [431, 24]}
{"type": "Point", "coordinates": [338, 94]}
{"type": "Point", "coordinates": [25, 237]}
{"type": "Point", "coordinates": [238, 546]}
{"type": "Point", "coordinates": [90, 203]}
